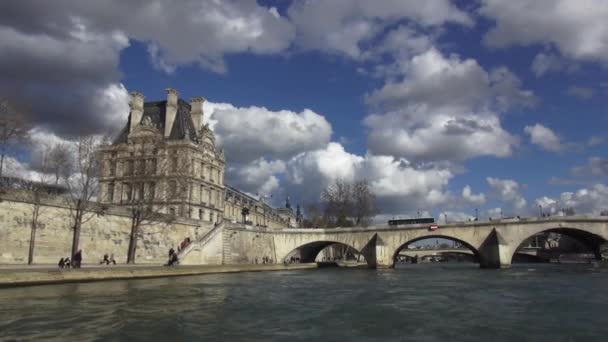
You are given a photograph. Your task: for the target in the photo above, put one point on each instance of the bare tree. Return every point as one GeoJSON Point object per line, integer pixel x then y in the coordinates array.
{"type": "Point", "coordinates": [83, 184]}
{"type": "Point", "coordinates": [13, 129]}
{"type": "Point", "coordinates": [59, 162]}
{"type": "Point", "coordinates": [348, 203]}
{"type": "Point", "coordinates": [337, 198]}
{"type": "Point", "coordinates": [364, 203]}
{"type": "Point", "coordinates": [39, 188]}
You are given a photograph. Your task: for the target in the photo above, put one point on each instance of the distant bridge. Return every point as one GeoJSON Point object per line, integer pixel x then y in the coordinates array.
{"type": "Point", "coordinates": [493, 242]}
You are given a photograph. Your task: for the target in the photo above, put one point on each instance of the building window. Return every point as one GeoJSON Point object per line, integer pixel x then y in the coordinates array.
{"type": "Point", "coordinates": [129, 167]}
{"type": "Point", "coordinates": [173, 189]}
{"type": "Point", "coordinates": [112, 168]}
{"type": "Point", "coordinates": [174, 162]}
{"type": "Point", "coordinates": [201, 214]}
{"type": "Point", "coordinates": [200, 196]}
{"type": "Point", "coordinates": [140, 188]}
{"type": "Point", "coordinates": [172, 211]}
{"type": "Point", "coordinates": [152, 191]}
{"type": "Point", "coordinates": [211, 216]}
{"type": "Point", "coordinates": [128, 190]}
{"type": "Point", "coordinates": [110, 192]}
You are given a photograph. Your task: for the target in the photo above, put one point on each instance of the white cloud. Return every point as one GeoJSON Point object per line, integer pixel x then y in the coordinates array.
{"type": "Point", "coordinates": [454, 216]}
{"type": "Point", "coordinates": [445, 108]}
{"type": "Point", "coordinates": [400, 187]}
{"type": "Point", "coordinates": [60, 64]}
{"type": "Point", "coordinates": [578, 29]}
{"type": "Point", "coordinates": [347, 27]}
{"type": "Point", "coordinates": [591, 200]}
{"type": "Point", "coordinates": [595, 140]}
{"type": "Point", "coordinates": [248, 133]}
{"type": "Point", "coordinates": [544, 137]}
{"type": "Point", "coordinates": [470, 197]}
{"type": "Point", "coordinates": [508, 192]}
{"type": "Point", "coordinates": [257, 177]}
{"type": "Point", "coordinates": [583, 93]}
{"type": "Point", "coordinates": [595, 167]}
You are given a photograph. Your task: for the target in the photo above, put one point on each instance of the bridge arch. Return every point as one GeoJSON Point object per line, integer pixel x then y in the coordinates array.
{"type": "Point", "coordinates": [594, 240]}
{"type": "Point", "coordinates": [403, 246]}
{"type": "Point", "coordinates": [308, 252]}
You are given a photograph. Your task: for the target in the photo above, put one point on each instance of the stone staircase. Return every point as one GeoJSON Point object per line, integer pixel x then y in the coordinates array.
{"type": "Point", "coordinates": [227, 249]}
{"type": "Point", "coordinates": [202, 241]}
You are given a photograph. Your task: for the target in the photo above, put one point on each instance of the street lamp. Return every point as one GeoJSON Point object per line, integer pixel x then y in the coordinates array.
{"type": "Point", "coordinates": [476, 214]}
{"type": "Point", "coordinates": [540, 210]}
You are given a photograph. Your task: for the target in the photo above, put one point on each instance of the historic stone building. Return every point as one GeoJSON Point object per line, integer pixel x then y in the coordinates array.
{"type": "Point", "coordinates": [166, 155]}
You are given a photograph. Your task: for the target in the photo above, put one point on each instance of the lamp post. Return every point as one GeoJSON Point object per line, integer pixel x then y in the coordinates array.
{"type": "Point", "coordinates": [540, 210]}
{"type": "Point", "coordinates": [476, 214]}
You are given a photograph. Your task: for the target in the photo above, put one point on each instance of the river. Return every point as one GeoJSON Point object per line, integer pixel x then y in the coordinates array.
{"type": "Point", "coordinates": [431, 302]}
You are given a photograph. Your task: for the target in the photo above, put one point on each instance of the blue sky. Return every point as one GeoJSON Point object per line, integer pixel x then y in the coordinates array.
{"type": "Point", "coordinates": [444, 106]}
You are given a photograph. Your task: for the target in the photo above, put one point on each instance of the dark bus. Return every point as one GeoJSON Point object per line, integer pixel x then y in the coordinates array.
{"type": "Point", "coordinates": [418, 220]}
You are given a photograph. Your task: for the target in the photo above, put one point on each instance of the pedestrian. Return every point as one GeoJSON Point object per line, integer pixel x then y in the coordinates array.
{"type": "Point", "coordinates": [66, 262]}
{"type": "Point", "coordinates": [61, 263]}
{"type": "Point", "coordinates": [77, 259]}
{"type": "Point", "coordinates": [105, 260]}
{"type": "Point", "coordinates": [171, 251]}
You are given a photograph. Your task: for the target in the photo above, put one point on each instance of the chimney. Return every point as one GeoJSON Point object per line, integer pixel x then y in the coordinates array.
{"type": "Point", "coordinates": [137, 109]}
{"type": "Point", "coordinates": [196, 112]}
{"type": "Point", "coordinates": [171, 110]}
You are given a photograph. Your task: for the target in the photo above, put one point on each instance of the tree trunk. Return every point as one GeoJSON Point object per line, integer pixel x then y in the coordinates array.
{"type": "Point", "coordinates": [76, 236]}
{"type": "Point", "coordinates": [2, 162]}
{"type": "Point", "coordinates": [30, 255]}
{"type": "Point", "coordinates": [132, 241]}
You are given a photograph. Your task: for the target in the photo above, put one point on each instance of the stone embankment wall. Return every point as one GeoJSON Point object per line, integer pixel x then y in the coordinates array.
{"type": "Point", "coordinates": [107, 232]}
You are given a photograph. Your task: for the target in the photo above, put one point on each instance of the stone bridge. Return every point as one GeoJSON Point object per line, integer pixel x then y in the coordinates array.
{"type": "Point", "coordinates": [493, 242]}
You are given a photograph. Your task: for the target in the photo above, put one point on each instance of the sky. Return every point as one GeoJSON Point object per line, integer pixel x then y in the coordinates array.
{"type": "Point", "coordinates": [447, 108]}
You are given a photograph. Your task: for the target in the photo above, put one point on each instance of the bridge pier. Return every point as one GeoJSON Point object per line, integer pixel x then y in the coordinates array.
{"type": "Point", "coordinates": [494, 252]}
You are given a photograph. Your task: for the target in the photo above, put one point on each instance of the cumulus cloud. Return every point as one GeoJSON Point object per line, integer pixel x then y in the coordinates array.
{"type": "Point", "coordinates": [257, 177]}
{"type": "Point", "coordinates": [248, 133]}
{"type": "Point", "coordinates": [544, 137]}
{"type": "Point", "coordinates": [400, 186]}
{"type": "Point", "coordinates": [444, 108]}
{"type": "Point", "coordinates": [577, 29]}
{"type": "Point", "coordinates": [508, 191]}
{"type": "Point", "coordinates": [595, 167]}
{"type": "Point", "coordinates": [60, 63]}
{"type": "Point", "coordinates": [583, 93]}
{"type": "Point", "coordinates": [454, 216]}
{"type": "Point", "coordinates": [591, 200]}
{"type": "Point", "coordinates": [347, 27]}
{"type": "Point", "coordinates": [470, 197]}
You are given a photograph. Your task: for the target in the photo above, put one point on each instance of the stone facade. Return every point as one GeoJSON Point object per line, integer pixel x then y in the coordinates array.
{"type": "Point", "coordinates": [166, 155]}
{"type": "Point", "coordinates": [104, 232]}
{"type": "Point", "coordinates": [258, 213]}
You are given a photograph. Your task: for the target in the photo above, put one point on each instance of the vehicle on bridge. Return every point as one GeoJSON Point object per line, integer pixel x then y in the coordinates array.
{"type": "Point", "coordinates": [419, 220]}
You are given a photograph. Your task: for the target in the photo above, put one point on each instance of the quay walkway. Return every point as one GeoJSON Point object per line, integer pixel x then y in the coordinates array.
{"type": "Point", "coordinates": [18, 275]}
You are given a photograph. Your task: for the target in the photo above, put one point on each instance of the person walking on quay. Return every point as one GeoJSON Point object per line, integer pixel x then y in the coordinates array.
{"type": "Point", "coordinates": [105, 260]}
{"type": "Point", "coordinates": [173, 260]}
{"type": "Point", "coordinates": [61, 263]}
{"type": "Point", "coordinates": [112, 259]}
{"type": "Point", "coordinates": [77, 259]}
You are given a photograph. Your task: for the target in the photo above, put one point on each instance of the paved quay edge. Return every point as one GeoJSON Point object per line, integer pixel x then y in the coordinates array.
{"type": "Point", "coordinates": [21, 277]}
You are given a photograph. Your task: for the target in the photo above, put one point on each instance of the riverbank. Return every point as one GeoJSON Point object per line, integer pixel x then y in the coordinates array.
{"type": "Point", "coordinates": [41, 275]}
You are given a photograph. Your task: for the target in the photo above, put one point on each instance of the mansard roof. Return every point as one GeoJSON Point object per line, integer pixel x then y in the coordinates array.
{"type": "Point", "coordinates": [183, 127]}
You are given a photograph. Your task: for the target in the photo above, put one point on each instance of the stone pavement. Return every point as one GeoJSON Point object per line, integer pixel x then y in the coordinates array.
{"type": "Point", "coordinates": [15, 275]}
